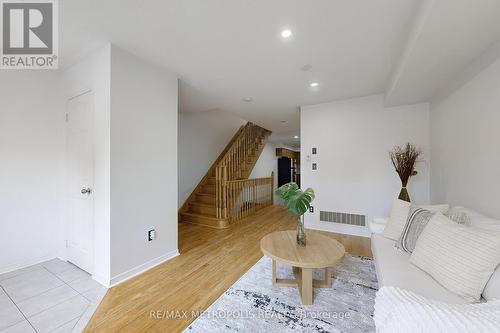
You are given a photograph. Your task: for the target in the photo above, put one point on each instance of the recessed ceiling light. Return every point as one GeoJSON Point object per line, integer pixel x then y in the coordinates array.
{"type": "Point", "coordinates": [314, 84]}
{"type": "Point", "coordinates": [248, 99]}
{"type": "Point", "coordinates": [296, 137]}
{"type": "Point", "coordinates": [286, 33]}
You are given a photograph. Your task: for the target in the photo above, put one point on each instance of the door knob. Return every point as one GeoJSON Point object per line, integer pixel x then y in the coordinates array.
{"type": "Point", "coordinates": [87, 190]}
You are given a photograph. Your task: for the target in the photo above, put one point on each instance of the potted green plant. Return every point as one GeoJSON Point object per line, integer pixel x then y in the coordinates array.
{"type": "Point", "coordinates": [298, 203]}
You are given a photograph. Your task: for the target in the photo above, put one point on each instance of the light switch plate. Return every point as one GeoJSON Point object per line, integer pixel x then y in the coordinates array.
{"type": "Point", "coordinates": [151, 235]}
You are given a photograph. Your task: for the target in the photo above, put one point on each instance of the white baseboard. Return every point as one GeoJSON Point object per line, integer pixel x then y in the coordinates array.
{"type": "Point", "coordinates": [340, 229]}
{"type": "Point", "coordinates": [27, 263]}
{"type": "Point", "coordinates": [140, 269]}
{"type": "Point", "coordinates": [102, 280]}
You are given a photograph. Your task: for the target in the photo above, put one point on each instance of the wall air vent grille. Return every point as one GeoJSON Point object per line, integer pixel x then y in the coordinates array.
{"type": "Point", "coordinates": [342, 218]}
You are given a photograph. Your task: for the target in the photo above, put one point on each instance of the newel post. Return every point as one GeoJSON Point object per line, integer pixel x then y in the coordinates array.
{"type": "Point", "coordinates": [272, 187]}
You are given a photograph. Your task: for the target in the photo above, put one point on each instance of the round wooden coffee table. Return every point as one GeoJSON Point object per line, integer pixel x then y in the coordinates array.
{"type": "Point", "coordinates": [320, 252]}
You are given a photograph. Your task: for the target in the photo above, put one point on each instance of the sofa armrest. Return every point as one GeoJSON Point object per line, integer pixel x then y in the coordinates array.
{"type": "Point", "coordinates": [377, 225]}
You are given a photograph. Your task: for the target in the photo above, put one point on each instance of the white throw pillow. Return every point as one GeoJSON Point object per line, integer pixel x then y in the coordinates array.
{"type": "Point", "coordinates": [474, 218]}
{"type": "Point", "coordinates": [458, 215]}
{"type": "Point", "coordinates": [399, 215]}
{"type": "Point", "coordinates": [462, 259]}
{"type": "Point", "coordinates": [397, 220]}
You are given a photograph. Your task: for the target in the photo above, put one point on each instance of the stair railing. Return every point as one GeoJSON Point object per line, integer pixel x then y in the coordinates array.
{"type": "Point", "coordinates": [247, 196]}
{"type": "Point", "coordinates": [233, 167]}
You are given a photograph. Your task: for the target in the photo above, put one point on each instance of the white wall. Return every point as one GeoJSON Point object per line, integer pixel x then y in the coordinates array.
{"type": "Point", "coordinates": [355, 175]}
{"type": "Point", "coordinates": [32, 163]}
{"type": "Point", "coordinates": [93, 73]}
{"type": "Point", "coordinates": [267, 163]}
{"type": "Point", "coordinates": [135, 163]}
{"type": "Point", "coordinates": [202, 137]}
{"type": "Point", "coordinates": [465, 139]}
{"type": "Point", "coordinates": [143, 164]}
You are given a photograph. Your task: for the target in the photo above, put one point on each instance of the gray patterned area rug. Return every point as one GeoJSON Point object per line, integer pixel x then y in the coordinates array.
{"type": "Point", "coordinates": [253, 304]}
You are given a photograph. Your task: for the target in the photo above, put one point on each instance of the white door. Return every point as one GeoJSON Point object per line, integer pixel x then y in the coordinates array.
{"type": "Point", "coordinates": [80, 159]}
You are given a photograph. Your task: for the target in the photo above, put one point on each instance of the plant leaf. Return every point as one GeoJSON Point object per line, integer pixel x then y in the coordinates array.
{"type": "Point", "coordinates": [296, 200]}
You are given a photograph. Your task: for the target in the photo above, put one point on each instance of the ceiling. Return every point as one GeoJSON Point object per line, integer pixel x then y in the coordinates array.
{"type": "Point", "coordinates": [228, 50]}
{"type": "Point", "coordinates": [446, 36]}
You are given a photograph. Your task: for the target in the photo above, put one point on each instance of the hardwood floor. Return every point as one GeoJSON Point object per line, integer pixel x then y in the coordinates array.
{"type": "Point", "coordinates": [211, 261]}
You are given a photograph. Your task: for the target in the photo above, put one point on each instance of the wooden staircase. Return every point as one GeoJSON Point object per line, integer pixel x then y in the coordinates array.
{"type": "Point", "coordinates": [225, 194]}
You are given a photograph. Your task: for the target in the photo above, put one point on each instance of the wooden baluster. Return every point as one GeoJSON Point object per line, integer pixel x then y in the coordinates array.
{"type": "Point", "coordinates": [244, 191]}
{"type": "Point", "coordinates": [217, 191]}
{"type": "Point", "coordinates": [254, 189]}
{"type": "Point", "coordinates": [250, 197]}
{"type": "Point", "coordinates": [224, 193]}
{"type": "Point", "coordinates": [229, 200]}
{"type": "Point", "coordinates": [236, 208]}
{"type": "Point", "coordinates": [240, 200]}
{"type": "Point", "coordinates": [234, 200]}
{"type": "Point", "coordinates": [250, 194]}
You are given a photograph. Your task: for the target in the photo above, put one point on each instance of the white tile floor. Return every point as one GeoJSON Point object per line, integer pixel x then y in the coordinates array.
{"type": "Point", "coordinates": [54, 296]}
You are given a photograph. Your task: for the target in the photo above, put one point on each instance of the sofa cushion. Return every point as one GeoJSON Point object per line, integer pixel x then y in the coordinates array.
{"type": "Point", "coordinates": [399, 214]}
{"type": "Point", "coordinates": [492, 289]}
{"type": "Point", "coordinates": [460, 258]}
{"type": "Point", "coordinates": [394, 269]}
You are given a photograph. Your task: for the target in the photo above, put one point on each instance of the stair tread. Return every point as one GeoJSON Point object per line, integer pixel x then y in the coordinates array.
{"type": "Point", "coordinates": [210, 217]}
{"type": "Point", "coordinates": [202, 204]}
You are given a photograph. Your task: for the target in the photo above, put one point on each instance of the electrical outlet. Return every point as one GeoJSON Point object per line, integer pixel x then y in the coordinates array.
{"type": "Point", "coordinates": [311, 209]}
{"type": "Point", "coordinates": [314, 151]}
{"type": "Point", "coordinates": [151, 235]}
{"type": "Point", "coordinates": [315, 166]}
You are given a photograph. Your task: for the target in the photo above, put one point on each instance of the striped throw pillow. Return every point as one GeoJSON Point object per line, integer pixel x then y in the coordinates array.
{"type": "Point", "coordinates": [462, 259]}
{"type": "Point", "coordinates": [458, 215]}
{"type": "Point", "coordinates": [415, 224]}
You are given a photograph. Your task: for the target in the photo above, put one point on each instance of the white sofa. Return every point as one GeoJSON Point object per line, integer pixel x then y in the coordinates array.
{"type": "Point", "coordinates": [394, 268]}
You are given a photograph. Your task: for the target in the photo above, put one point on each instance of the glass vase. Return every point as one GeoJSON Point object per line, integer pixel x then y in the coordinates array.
{"type": "Point", "coordinates": [301, 233]}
